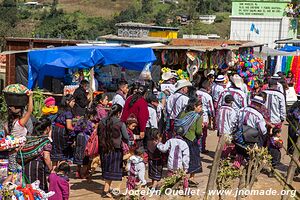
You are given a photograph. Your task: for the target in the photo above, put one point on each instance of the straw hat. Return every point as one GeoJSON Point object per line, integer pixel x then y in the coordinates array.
{"type": "Point", "coordinates": [181, 84]}
{"type": "Point", "coordinates": [220, 78]}
{"type": "Point", "coordinates": [237, 80]}
{"type": "Point", "coordinates": [258, 99]}
{"type": "Point", "coordinates": [167, 76]}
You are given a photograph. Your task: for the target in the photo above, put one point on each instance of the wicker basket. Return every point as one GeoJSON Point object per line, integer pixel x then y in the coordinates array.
{"type": "Point", "coordinates": [15, 99]}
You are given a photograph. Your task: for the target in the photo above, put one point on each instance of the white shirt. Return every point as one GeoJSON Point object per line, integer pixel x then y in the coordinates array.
{"type": "Point", "coordinates": [176, 103]}
{"type": "Point", "coordinates": [275, 103]}
{"type": "Point", "coordinates": [227, 120]}
{"type": "Point", "coordinates": [216, 90]}
{"type": "Point", "coordinates": [183, 154]}
{"type": "Point", "coordinates": [207, 104]}
{"type": "Point", "coordinates": [118, 99]}
{"type": "Point", "coordinates": [152, 121]}
{"type": "Point", "coordinates": [251, 117]}
{"type": "Point", "coordinates": [240, 98]}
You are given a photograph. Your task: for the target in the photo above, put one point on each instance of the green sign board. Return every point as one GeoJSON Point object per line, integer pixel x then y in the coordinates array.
{"type": "Point", "coordinates": [259, 8]}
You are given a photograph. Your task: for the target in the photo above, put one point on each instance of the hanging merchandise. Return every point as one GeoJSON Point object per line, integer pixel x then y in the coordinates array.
{"type": "Point", "coordinates": [250, 68]}
{"type": "Point", "coordinates": [164, 57]}
{"type": "Point", "coordinates": [193, 64]}
{"type": "Point", "coordinates": [146, 73]}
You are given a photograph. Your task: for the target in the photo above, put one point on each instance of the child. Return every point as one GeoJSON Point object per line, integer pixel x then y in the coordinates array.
{"type": "Point", "coordinates": [136, 170]}
{"type": "Point", "coordinates": [59, 182]}
{"type": "Point", "coordinates": [274, 147]}
{"type": "Point", "coordinates": [50, 109]}
{"type": "Point", "coordinates": [155, 158]}
{"type": "Point", "coordinates": [82, 130]}
{"type": "Point", "coordinates": [131, 124]}
{"type": "Point", "coordinates": [179, 155]}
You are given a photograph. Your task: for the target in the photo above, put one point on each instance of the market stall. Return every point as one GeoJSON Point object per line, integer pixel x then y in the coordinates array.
{"type": "Point", "coordinates": [59, 62]}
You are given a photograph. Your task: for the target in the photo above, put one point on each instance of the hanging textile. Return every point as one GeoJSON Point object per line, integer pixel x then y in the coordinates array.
{"type": "Point", "coordinates": [289, 62]}
{"type": "Point", "coordinates": [283, 65]}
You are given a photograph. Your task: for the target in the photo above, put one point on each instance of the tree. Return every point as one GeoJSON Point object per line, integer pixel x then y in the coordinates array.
{"type": "Point", "coordinates": [147, 6]}
{"type": "Point", "coordinates": [161, 18]}
{"type": "Point", "coordinates": [8, 10]}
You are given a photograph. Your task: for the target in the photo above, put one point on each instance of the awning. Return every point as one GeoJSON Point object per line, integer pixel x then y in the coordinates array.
{"type": "Point", "coordinates": [55, 61]}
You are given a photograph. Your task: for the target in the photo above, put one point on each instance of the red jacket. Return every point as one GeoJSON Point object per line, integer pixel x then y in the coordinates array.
{"type": "Point", "coordinates": [139, 109]}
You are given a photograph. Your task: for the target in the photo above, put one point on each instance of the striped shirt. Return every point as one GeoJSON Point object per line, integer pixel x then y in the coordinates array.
{"type": "Point", "coordinates": [176, 103]}
{"type": "Point", "coordinates": [275, 103]}
{"type": "Point", "coordinates": [227, 119]}
{"type": "Point", "coordinates": [240, 98]}
{"type": "Point", "coordinates": [207, 104]}
{"type": "Point", "coordinates": [251, 117]}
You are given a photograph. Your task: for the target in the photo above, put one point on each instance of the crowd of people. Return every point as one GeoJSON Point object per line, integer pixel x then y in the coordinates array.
{"type": "Point", "coordinates": [146, 129]}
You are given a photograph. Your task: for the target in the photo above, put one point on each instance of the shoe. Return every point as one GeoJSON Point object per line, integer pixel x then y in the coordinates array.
{"type": "Point", "coordinates": [107, 195]}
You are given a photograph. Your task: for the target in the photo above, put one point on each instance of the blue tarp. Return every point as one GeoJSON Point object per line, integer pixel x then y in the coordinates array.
{"type": "Point", "coordinates": [289, 48]}
{"type": "Point", "coordinates": [55, 61]}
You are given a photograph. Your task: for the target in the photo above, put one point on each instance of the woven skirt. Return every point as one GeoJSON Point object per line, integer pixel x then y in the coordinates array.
{"type": "Point", "coordinates": [60, 146]}
{"type": "Point", "coordinates": [195, 165]}
{"type": "Point", "coordinates": [155, 169]}
{"type": "Point", "coordinates": [111, 164]}
{"type": "Point", "coordinates": [79, 156]}
{"type": "Point", "coordinates": [37, 170]}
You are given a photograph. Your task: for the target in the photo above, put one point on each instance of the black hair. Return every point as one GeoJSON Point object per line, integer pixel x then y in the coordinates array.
{"type": "Point", "coordinates": [100, 97]}
{"type": "Point", "coordinates": [132, 88]}
{"type": "Point", "coordinates": [122, 83]}
{"type": "Point", "coordinates": [151, 97]}
{"type": "Point", "coordinates": [66, 100]}
{"type": "Point", "coordinates": [41, 125]}
{"type": "Point", "coordinates": [229, 98]}
{"type": "Point", "coordinates": [63, 167]}
{"type": "Point", "coordinates": [275, 131]}
{"type": "Point", "coordinates": [154, 134]}
{"type": "Point", "coordinates": [84, 82]}
{"type": "Point", "coordinates": [205, 84]}
{"type": "Point", "coordinates": [139, 151]}
{"type": "Point", "coordinates": [272, 82]}
{"type": "Point", "coordinates": [192, 103]}
{"type": "Point", "coordinates": [12, 116]}
{"type": "Point", "coordinates": [140, 93]}
{"type": "Point", "coordinates": [192, 92]}
{"type": "Point", "coordinates": [288, 74]}
{"type": "Point", "coordinates": [106, 143]}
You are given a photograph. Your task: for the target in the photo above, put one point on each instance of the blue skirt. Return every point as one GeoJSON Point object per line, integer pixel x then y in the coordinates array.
{"type": "Point", "coordinates": [155, 169]}
{"type": "Point", "coordinates": [60, 146]}
{"type": "Point", "coordinates": [195, 165]}
{"type": "Point", "coordinates": [111, 164]}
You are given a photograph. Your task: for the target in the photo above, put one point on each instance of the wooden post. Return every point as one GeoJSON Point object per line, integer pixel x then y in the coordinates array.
{"type": "Point", "coordinates": [291, 169]}
{"type": "Point", "coordinates": [215, 166]}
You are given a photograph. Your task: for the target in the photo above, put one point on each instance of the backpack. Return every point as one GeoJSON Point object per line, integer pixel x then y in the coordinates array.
{"type": "Point", "coordinates": [91, 148]}
{"type": "Point", "coordinates": [33, 147]}
{"type": "Point", "coordinates": [185, 123]}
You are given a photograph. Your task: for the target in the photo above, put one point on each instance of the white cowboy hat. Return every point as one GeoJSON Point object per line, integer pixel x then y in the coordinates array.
{"type": "Point", "coordinates": [181, 84]}
{"type": "Point", "coordinates": [237, 80]}
{"type": "Point", "coordinates": [167, 76]}
{"type": "Point", "coordinates": [212, 72]}
{"type": "Point", "coordinates": [275, 76]}
{"type": "Point", "coordinates": [258, 99]}
{"type": "Point", "coordinates": [220, 78]}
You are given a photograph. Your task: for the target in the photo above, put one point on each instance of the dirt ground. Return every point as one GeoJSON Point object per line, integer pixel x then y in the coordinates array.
{"type": "Point", "coordinates": [81, 189]}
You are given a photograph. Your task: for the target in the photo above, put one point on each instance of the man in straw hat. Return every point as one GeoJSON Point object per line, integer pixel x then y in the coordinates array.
{"type": "Point", "coordinates": [240, 98]}
{"type": "Point", "coordinates": [275, 103]}
{"type": "Point", "coordinates": [177, 101]}
{"type": "Point", "coordinates": [218, 88]}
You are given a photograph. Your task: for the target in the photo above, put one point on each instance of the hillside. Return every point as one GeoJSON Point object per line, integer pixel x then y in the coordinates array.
{"type": "Point", "coordinates": [93, 8]}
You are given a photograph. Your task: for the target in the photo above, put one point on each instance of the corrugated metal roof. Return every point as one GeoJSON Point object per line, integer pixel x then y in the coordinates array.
{"type": "Point", "coordinates": [203, 42]}
{"type": "Point", "coordinates": [296, 41]}
{"type": "Point", "coordinates": [146, 39]}
{"type": "Point", "coordinates": [142, 25]}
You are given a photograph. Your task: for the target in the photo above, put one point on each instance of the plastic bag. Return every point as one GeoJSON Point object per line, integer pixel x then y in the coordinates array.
{"type": "Point", "coordinates": [146, 73]}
